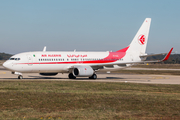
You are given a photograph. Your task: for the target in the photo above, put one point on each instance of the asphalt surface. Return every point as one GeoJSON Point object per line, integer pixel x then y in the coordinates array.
{"type": "Point", "coordinates": [161, 69]}
{"type": "Point", "coordinates": [6, 75]}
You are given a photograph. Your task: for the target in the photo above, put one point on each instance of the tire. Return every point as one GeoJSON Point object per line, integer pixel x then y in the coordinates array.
{"type": "Point", "coordinates": [94, 76]}
{"type": "Point", "coordinates": [20, 77]}
{"type": "Point", "coordinates": [71, 76]}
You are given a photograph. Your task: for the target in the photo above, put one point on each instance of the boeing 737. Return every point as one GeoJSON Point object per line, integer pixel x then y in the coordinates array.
{"type": "Point", "coordinates": [83, 64]}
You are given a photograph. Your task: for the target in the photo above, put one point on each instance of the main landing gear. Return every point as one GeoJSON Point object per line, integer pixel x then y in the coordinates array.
{"type": "Point", "coordinates": [20, 77]}
{"type": "Point", "coordinates": [94, 76]}
{"type": "Point", "coordinates": [71, 76]}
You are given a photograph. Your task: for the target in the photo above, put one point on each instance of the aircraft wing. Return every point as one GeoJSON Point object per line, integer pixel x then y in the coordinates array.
{"type": "Point", "coordinates": [145, 56]}
{"type": "Point", "coordinates": [153, 61]}
{"type": "Point", "coordinates": [95, 67]}
{"type": "Point", "coordinates": [164, 59]}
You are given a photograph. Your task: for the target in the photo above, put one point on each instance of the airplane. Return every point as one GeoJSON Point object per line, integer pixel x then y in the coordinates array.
{"type": "Point", "coordinates": [82, 64]}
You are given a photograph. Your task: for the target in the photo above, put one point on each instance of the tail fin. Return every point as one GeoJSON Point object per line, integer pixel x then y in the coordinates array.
{"type": "Point", "coordinates": [139, 43]}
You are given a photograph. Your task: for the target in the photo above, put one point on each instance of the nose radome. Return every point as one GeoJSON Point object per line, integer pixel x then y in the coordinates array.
{"type": "Point", "coordinates": [6, 65]}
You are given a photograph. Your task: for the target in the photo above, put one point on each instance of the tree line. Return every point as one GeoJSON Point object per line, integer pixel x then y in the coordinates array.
{"type": "Point", "coordinates": [4, 56]}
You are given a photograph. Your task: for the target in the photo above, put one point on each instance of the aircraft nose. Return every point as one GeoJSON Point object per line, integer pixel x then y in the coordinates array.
{"type": "Point", "coordinates": [7, 65]}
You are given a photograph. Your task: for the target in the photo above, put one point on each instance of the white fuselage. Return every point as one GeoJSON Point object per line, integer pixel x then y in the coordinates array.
{"type": "Point", "coordinates": [61, 62]}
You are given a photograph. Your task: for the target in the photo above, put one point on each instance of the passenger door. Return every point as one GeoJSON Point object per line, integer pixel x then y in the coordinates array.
{"type": "Point", "coordinates": [30, 60]}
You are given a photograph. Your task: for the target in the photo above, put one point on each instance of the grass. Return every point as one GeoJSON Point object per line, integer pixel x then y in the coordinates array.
{"type": "Point", "coordinates": [157, 72]}
{"type": "Point", "coordinates": [88, 100]}
{"type": "Point", "coordinates": [168, 66]}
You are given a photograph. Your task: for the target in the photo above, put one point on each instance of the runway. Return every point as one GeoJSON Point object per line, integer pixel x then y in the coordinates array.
{"type": "Point", "coordinates": [102, 77]}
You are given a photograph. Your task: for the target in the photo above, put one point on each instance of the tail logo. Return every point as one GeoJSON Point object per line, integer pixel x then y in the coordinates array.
{"type": "Point", "coordinates": [141, 39]}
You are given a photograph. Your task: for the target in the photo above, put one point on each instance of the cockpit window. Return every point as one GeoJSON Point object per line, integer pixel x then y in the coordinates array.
{"type": "Point", "coordinates": [14, 58]}
{"type": "Point", "coordinates": [11, 58]}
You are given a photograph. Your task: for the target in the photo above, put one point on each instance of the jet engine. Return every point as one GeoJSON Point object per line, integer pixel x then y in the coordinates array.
{"type": "Point", "coordinates": [83, 71]}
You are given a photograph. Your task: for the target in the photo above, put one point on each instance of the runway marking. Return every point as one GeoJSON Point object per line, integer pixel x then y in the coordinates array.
{"type": "Point", "coordinates": [2, 72]}
{"type": "Point", "coordinates": [158, 77]}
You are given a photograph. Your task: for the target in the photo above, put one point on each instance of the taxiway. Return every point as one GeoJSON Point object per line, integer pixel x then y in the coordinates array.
{"type": "Point", "coordinates": [6, 75]}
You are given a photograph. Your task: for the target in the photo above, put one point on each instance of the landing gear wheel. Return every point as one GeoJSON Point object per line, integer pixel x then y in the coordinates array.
{"type": "Point", "coordinates": [20, 77]}
{"type": "Point", "coordinates": [94, 76]}
{"type": "Point", "coordinates": [71, 76]}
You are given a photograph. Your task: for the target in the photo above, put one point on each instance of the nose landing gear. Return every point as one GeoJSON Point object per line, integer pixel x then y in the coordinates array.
{"type": "Point", "coordinates": [18, 73]}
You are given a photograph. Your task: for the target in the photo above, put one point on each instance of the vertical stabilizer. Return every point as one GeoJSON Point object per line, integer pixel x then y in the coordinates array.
{"type": "Point", "coordinates": [139, 43]}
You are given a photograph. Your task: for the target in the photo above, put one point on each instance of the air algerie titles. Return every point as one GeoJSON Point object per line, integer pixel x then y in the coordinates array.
{"type": "Point", "coordinates": [76, 55]}
{"type": "Point", "coordinates": [59, 55]}
{"type": "Point", "coordinates": [51, 55]}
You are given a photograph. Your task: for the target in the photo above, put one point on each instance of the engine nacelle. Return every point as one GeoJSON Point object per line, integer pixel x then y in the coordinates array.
{"type": "Point", "coordinates": [83, 71]}
{"type": "Point", "coordinates": [48, 74]}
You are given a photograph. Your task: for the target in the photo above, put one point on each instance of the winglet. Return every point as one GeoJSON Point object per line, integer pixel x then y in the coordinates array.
{"type": "Point", "coordinates": [44, 50]}
{"type": "Point", "coordinates": [167, 56]}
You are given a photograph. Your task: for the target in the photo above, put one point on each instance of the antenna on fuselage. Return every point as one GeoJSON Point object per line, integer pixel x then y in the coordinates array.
{"type": "Point", "coordinates": [44, 50]}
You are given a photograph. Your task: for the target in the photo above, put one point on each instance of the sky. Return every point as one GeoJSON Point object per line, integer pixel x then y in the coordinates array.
{"type": "Point", "coordinates": [87, 25]}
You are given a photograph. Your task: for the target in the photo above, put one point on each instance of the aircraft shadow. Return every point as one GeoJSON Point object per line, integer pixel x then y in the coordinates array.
{"type": "Point", "coordinates": [113, 78]}
{"type": "Point", "coordinates": [78, 78]}
{"type": "Point", "coordinates": [55, 78]}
